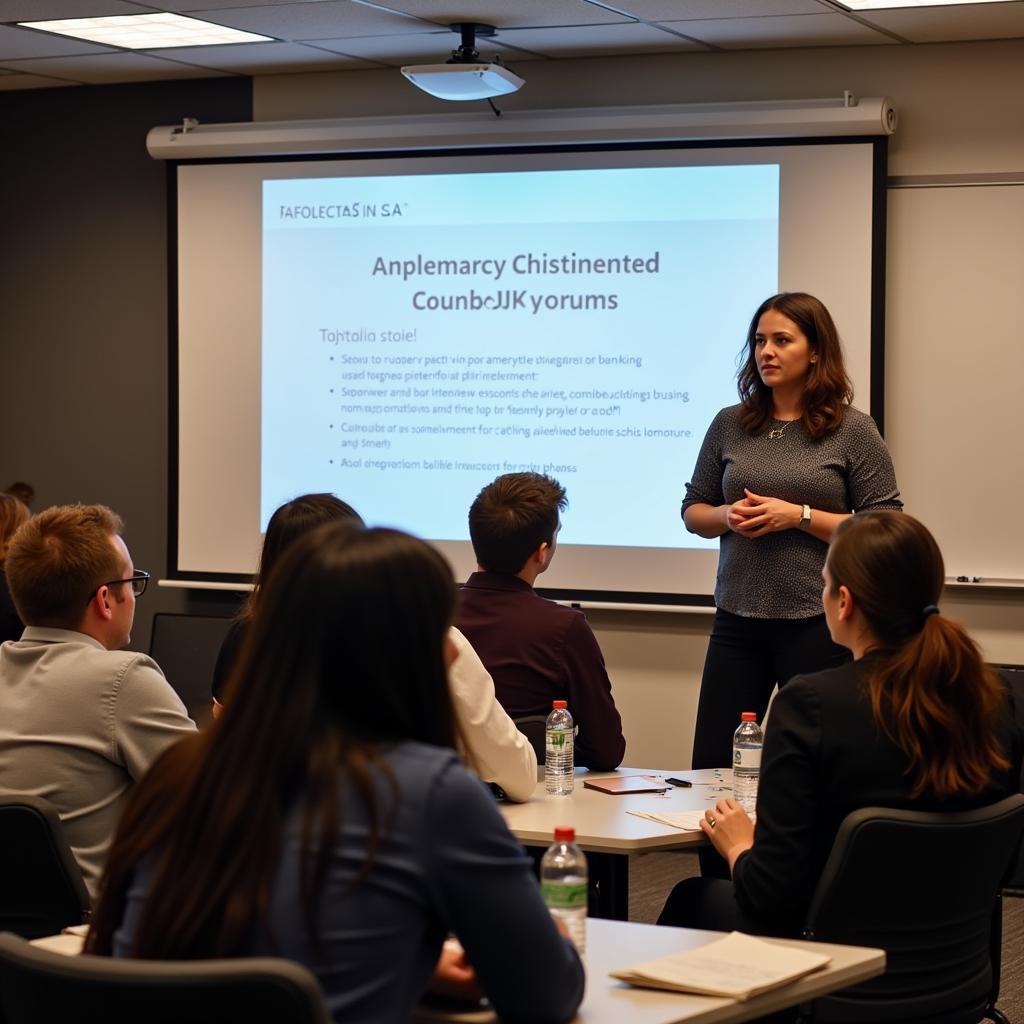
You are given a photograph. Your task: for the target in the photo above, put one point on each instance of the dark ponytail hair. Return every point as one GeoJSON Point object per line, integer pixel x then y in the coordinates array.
{"type": "Point", "coordinates": [827, 390]}
{"type": "Point", "coordinates": [931, 692]}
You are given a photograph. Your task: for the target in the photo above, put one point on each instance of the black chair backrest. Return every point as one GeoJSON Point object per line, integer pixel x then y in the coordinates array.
{"type": "Point", "coordinates": [1014, 675]}
{"type": "Point", "coordinates": [532, 727]}
{"type": "Point", "coordinates": [186, 648]}
{"type": "Point", "coordinates": [37, 985]}
{"type": "Point", "coordinates": [41, 887]}
{"type": "Point", "coordinates": [924, 887]}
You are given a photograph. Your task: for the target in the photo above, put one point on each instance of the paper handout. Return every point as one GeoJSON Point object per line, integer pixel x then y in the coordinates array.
{"type": "Point", "coordinates": [738, 966]}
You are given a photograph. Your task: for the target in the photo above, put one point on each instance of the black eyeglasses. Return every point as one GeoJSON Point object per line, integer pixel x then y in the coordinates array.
{"type": "Point", "coordinates": [138, 580]}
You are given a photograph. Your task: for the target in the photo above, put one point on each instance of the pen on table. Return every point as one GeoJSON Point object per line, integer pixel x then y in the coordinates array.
{"type": "Point", "coordinates": [680, 782]}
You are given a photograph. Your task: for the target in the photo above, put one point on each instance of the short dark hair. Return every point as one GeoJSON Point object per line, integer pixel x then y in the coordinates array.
{"type": "Point", "coordinates": [512, 517]}
{"type": "Point", "coordinates": [58, 559]}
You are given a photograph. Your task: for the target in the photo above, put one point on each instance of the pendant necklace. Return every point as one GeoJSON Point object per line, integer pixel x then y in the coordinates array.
{"type": "Point", "coordinates": [776, 432]}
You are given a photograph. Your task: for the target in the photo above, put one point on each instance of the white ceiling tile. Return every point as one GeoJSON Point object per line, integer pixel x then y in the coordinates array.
{"type": "Point", "coordinates": [597, 40]}
{"type": "Point", "coordinates": [44, 10]}
{"type": "Point", "coordinates": [948, 24]}
{"type": "Point", "coordinates": [264, 58]}
{"type": "Point", "coordinates": [682, 10]}
{"type": "Point", "coordinates": [507, 13]}
{"type": "Point", "coordinates": [325, 19]}
{"type": "Point", "coordinates": [781, 31]}
{"type": "Point", "coordinates": [422, 48]}
{"type": "Point", "coordinates": [124, 67]}
{"type": "Point", "coordinates": [16, 43]}
{"type": "Point", "coordinates": [198, 6]}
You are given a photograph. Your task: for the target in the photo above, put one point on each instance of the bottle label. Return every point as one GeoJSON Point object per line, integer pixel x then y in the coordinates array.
{"type": "Point", "coordinates": [565, 895]}
{"type": "Point", "coordinates": [746, 758]}
{"type": "Point", "coordinates": [559, 739]}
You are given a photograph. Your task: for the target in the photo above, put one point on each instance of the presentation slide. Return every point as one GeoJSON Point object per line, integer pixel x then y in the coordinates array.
{"type": "Point", "coordinates": [401, 327]}
{"type": "Point", "coordinates": [423, 333]}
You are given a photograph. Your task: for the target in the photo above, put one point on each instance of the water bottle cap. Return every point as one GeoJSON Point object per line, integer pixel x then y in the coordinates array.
{"type": "Point", "coordinates": [565, 835]}
{"type": "Point", "coordinates": [559, 704]}
{"type": "Point", "coordinates": [748, 716]}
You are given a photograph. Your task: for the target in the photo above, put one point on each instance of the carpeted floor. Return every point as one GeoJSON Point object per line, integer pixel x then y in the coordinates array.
{"type": "Point", "coordinates": [652, 875]}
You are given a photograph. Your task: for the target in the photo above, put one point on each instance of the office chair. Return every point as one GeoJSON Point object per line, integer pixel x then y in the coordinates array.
{"type": "Point", "coordinates": [186, 648]}
{"type": "Point", "coordinates": [1014, 675]}
{"type": "Point", "coordinates": [41, 887]}
{"type": "Point", "coordinates": [532, 727]}
{"type": "Point", "coordinates": [37, 985]}
{"type": "Point", "coordinates": [925, 887]}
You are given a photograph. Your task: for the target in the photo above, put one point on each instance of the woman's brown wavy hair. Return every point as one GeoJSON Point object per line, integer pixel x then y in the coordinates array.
{"type": "Point", "coordinates": [931, 692]}
{"type": "Point", "coordinates": [828, 390]}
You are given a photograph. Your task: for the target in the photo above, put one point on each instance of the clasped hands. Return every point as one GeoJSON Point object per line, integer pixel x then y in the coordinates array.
{"type": "Point", "coordinates": [756, 515]}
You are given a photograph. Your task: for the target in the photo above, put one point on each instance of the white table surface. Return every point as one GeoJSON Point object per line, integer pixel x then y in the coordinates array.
{"type": "Point", "coordinates": [615, 944]}
{"type": "Point", "coordinates": [602, 821]}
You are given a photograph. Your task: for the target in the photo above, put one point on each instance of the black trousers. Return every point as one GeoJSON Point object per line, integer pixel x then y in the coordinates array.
{"type": "Point", "coordinates": [746, 659]}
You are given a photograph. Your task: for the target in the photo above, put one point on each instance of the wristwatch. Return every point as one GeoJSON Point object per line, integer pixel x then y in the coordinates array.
{"type": "Point", "coordinates": [805, 518]}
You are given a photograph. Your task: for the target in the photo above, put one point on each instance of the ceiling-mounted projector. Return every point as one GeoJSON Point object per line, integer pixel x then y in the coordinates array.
{"type": "Point", "coordinates": [464, 77]}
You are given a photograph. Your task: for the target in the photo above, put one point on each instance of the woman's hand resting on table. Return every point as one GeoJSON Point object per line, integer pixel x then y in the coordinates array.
{"type": "Point", "coordinates": [729, 828]}
{"type": "Point", "coordinates": [454, 976]}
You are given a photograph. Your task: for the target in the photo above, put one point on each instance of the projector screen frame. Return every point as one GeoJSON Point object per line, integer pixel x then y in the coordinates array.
{"type": "Point", "coordinates": [591, 598]}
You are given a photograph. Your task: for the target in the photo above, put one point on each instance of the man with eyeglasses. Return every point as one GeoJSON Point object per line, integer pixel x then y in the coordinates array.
{"type": "Point", "coordinates": [80, 718]}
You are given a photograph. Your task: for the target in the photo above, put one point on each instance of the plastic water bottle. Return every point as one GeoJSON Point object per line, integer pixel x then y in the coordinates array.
{"type": "Point", "coordinates": [747, 742]}
{"type": "Point", "coordinates": [558, 741]}
{"type": "Point", "coordinates": [563, 881]}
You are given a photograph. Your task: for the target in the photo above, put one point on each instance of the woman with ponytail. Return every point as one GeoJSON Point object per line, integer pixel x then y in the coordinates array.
{"type": "Point", "coordinates": [917, 720]}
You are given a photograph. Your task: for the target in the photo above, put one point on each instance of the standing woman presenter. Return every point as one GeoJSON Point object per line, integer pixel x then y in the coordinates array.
{"type": "Point", "coordinates": [775, 475]}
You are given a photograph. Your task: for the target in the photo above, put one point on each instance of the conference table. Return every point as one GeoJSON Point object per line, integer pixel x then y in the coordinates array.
{"type": "Point", "coordinates": [608, 833]}
{"type": "Point", "coordinates": [616, 944]}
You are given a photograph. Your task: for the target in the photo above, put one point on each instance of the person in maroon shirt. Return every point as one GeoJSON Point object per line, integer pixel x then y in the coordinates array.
{"type": "Point", "coordinates": [536, 650]}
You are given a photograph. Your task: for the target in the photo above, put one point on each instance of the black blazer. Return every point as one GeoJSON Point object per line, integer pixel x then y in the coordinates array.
{"type": "Point", "coordinates": [824, 757]}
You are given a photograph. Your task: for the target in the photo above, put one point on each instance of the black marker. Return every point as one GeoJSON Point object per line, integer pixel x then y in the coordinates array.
{"type": "Point", "coordinates": [681, 782]}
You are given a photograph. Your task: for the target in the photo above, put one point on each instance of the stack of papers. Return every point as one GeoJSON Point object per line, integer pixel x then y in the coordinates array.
{"type": "Point", "coordinates": [737, 966]}
{"type": "Point", "coordinates": [688, 821]}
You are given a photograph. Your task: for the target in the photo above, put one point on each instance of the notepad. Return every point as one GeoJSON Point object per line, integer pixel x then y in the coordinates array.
{"type": "Point", "coordinates": [737, 966]}
{"type": "Point", "coordinates": [628, 784]}
{"type": "Point", "coordinates": [688, 821]}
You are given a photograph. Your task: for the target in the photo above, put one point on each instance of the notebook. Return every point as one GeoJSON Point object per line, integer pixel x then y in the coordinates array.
{"type": "Point", "coordinates": [628, 784]}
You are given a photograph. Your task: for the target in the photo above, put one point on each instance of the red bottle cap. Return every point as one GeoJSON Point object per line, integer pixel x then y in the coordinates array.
{"type": "Point", "coordinates": [565, 835]}
{"type": "Point", "coordinates": [559, 704]}
{"type": "Point", "coordinates": [748, 716]}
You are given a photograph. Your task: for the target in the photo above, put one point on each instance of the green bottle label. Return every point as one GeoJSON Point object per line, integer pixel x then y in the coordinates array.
{"type": "Point", "coordinates": [565, 895]}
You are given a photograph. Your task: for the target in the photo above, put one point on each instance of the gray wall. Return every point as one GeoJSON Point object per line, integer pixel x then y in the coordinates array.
{"type": "Point", "coordinates": [83, 300]}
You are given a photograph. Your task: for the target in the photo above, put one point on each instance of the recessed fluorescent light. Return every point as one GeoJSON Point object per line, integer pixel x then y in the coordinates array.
{"type": "Point", "coordinates": [880, 5]}
{"type": "Point", "coordinates": [147, 31]}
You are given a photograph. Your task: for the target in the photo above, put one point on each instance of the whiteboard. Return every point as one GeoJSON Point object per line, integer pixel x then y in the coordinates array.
{"type": "Point", "coordinates": [954, 389]}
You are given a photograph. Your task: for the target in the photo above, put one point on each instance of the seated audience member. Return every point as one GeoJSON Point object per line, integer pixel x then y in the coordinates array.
{"type": "Point", "coordinates": [536, 650]}
{"type": "Point", "coordinates": [916, 720]}
{"type": "Point", "coordinates": [80, 719]}
{"type": "Point", "coordinates": [324, 817]}
{"type": "Point", "coordinates": [495, 749]}
{"type": "Point", "coordinates": [12, 514]}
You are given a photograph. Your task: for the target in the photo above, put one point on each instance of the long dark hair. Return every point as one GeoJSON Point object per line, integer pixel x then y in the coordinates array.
{"type": "Point", "coordinates": [345, 657]}
{"type": "Point", "coordinates": [931, 692]}
{"type": "Point", "coordinates": [289, 522]}
{"type": "Point", "coordinates": [828, 390]}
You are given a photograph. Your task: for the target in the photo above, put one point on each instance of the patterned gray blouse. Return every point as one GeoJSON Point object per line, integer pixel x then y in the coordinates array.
{"type": "Point", "coordinates": [778, 575]}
